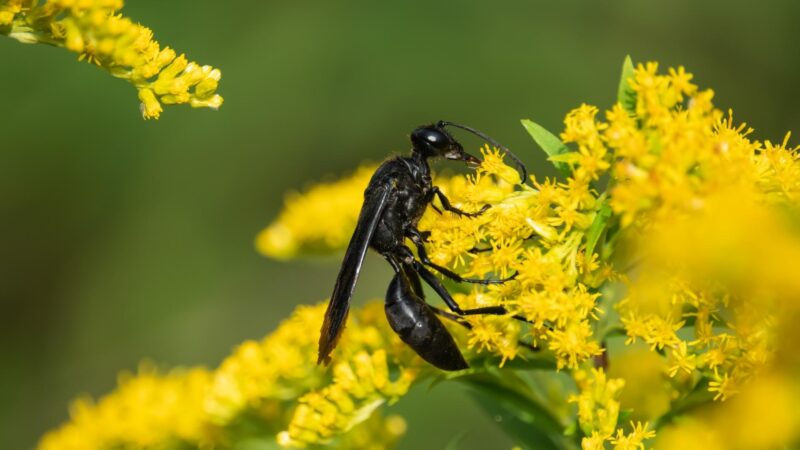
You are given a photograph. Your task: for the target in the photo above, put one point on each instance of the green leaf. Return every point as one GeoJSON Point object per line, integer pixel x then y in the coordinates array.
{"type": "Point", "coordinates": [507, 399]}
{"type": "Point", "coordinates": [568, 157]}
{"type": "Point", "coordinates": [598, 226]}
{"type": "Point", "coordinates": [625, 94]}
{"type": "Point", "coordinates": [549, 142]}
{"type": "Point", "coordinates": [541, 360]}
{"type": "Point", "coordinates": [624, 415]}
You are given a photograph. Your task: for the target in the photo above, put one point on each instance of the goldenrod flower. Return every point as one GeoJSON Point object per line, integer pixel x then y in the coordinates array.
{"type": "Point", "coordinates": [633, 440]}
{"type": "Point", "coordinates": [320, 220]}
{"type": "Point", "coordinates": [275, 382]}
{"type": "Point", "coordinates": [598, 413]}
{"type": "Point", "coordinates": [96, 31]}
{"type": "Point", "coordinates": [668, 158]}
{"type": "Point", "coordinates": [598, 404]}
{"type": "Point", "coordinates": [358, 388]}
{"type": "Point", "coordinates": [146, 411]}
{"type": "Point", "coordinates": [671, 226]}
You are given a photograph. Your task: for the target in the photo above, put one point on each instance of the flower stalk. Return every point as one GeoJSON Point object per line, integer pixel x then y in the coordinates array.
{"type": "Point", "coordinates": [99, 34]}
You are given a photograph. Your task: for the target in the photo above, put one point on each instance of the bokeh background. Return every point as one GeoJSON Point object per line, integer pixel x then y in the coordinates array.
{"type": "Point", "coordinates": [125, 240]}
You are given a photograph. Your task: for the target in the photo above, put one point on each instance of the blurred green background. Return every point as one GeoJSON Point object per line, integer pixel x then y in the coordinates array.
{"type": "Point", "coordinates": [123, 239]}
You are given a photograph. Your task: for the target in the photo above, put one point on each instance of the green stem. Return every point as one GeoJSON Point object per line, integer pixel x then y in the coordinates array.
{"type": "Point", "coordinates": [699, 396]}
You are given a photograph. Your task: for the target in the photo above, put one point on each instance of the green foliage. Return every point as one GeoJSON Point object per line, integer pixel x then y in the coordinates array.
{"type": "Point", "coordinates": [625, 94]}
{"type": "Point", "coordinates": [550, 143]}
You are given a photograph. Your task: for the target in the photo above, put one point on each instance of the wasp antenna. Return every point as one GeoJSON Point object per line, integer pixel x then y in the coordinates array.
{"type": "Point", "coordinates": [520, 165]}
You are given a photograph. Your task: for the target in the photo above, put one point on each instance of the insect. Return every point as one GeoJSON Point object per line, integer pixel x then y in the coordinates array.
{"type": "Point", "coordinates": [396, 197]}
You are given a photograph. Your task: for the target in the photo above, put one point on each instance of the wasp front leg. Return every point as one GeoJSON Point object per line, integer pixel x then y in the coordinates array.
{"type": "Point", "coordinates": [449, 206]}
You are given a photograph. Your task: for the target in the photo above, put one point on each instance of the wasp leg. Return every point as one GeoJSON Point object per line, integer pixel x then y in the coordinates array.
{"type": "Point", "coordinates": [450, 316]}
{"type": "Point", "coordinates": [418, 241]}
{"type": "Point", "coordinates": [449, 207]}
{"type": "Point", "coordinates": [475, 250]}
{"type": "Point", "coordinates": [416, 285]}
{"type": "Point", "coordinates": [439, 288]}
{"type": "Point", "coordinates": [460, 320]}
{"type": "Point", "coordinates": [404, 261]}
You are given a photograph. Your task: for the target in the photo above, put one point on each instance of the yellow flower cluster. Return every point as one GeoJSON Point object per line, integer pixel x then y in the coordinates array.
{"type": "Point", "coordinates": [764, 416]}
{"type": "Point", "coordinates": [359, 387]}
{"type": "Point", "coordinates": [537, 233]}
{"type": "Point", "coordinates": [275, 383]}
{"type": "Point", "coordinates": [667, 208]}
{"type": "Point", "coordinates": [99, 34]}
{"type": "Point", "coordinates": [683, 166]}
{"type": "Point", "coordinates": [147, 410]}
{"type": "Point", "coordinates": [318, 221]}
{"type": "Point", "coordinates": [747, 350]}
{"type": "Point", "coordinates": [283, 367]}
{"type": "Point", "coordinates": [598, 413]}
{"type": "Point", "coordinates": [671, 228]}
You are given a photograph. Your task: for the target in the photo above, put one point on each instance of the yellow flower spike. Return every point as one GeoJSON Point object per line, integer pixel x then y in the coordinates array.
{"type": "Point", "coordinates": [681, 80]}
{"type": "Point", "coordinates": [581, 127]}
{"type": "Point", "coordinates": [320, 220]}
{"type": "Point", "coordinates": [493, 164]}
{"type": "Point", "coordinates": [360, 385]}
{"type": "Point", "coordinates": [146, 409]}
{"type": "Point", "coordinates": [494, 334]}
{"type": "Point", "coordinates": [339, 396]}
{"type": "Point", "coordinates": [635, 439]}
{"type": "Point", "coordinates": [365, 381]}
{"type": "Point", "coordinates": [573, 344]}
{"type": "Point", "coordinates": [208, 82]}
{"type": "Point", "coordinates": [100, 35]}
{"type": "Point", "coordinates": [595, 441]}
{"type": "Point", "coordinates": [681, 360]}
{"type": "Point", "coordinates": [151, 108]}
{"type": "Point", "coordinates": [380, 370]}
{"type": "Point", "coordinates": [722, 386]}
{"type": "Point", "coordinates": [598, 405]}
{"type": "Point", "coordinates": [73, 37]}
{"type": "Point", "coordinates": [10, 8]}
{"type": "Point", "coordinates": [504, 254]}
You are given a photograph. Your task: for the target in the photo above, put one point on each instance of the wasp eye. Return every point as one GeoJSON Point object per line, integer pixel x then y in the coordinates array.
{"type": "Point", "coordinates": [435, 138]}
{"type": "Point", "coordinates": [432, 141]}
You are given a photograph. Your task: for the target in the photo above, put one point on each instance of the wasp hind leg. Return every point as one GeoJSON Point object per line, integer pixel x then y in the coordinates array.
{"type": "Point", "coordinates": [418, 239]}
{"type": "Point", "coordinates": [448, 299]}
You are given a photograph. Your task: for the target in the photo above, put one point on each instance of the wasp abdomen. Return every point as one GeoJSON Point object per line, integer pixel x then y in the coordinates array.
{"type": "Point", "coordinates": [417, 325]}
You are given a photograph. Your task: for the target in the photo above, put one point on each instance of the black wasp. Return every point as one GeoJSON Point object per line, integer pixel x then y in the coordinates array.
{"type": "Point", "coordinates": [394, 202]}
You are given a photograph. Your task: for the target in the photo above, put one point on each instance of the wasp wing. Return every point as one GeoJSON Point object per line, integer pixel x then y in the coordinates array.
{"type": "Point", "coordinates": [368, 219]}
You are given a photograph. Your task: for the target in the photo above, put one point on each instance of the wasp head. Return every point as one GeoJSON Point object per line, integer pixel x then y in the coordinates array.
{"type": "Point", "coordinates": [433, 141]}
